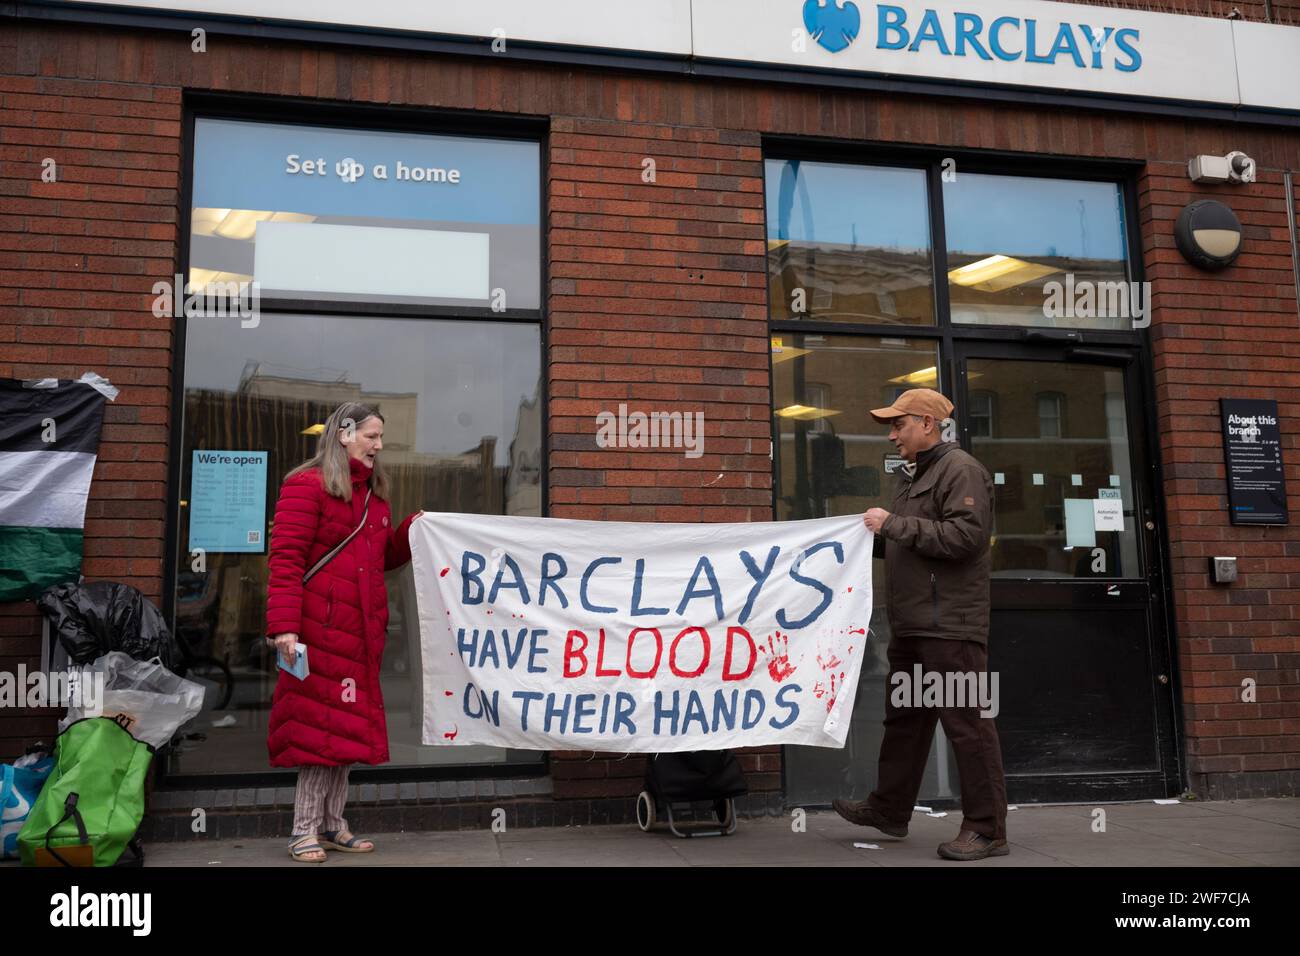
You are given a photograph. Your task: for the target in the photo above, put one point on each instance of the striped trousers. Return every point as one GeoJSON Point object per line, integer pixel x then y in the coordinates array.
{"type": "Point", "coordinates": [318, 802]}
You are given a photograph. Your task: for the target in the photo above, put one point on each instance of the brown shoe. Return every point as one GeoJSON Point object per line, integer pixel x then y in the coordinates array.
{"type": "Point", "coordinates": [970, 845]}
{"type": "Point", "coordinates": [864, 816]}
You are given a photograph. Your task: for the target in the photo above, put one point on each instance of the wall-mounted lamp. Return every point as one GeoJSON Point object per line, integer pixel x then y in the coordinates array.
{"type": "Point", "coordinates": [1208, 234]}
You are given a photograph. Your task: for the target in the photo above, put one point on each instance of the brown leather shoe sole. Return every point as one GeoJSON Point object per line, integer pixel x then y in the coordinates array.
{"type": "Point", "coordinates": [866, 817]}
{"type": "Point", "coordinates": [996, 848]}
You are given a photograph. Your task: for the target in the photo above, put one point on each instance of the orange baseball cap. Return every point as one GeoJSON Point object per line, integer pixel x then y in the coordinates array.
{"type": "Point", "coordinates": [915, 401]}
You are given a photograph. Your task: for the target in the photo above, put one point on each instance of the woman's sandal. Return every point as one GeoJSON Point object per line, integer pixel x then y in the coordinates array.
{"type": "Point", "coordinates": [329, 839]}
{"type": "Point", "coordinates": [307, 849]}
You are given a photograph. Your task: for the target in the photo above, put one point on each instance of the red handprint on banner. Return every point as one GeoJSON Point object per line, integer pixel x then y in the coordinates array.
{"type": "Point", "coordinates": [821, 690]}
{"type": "Point", "coordinates": [776, 654]}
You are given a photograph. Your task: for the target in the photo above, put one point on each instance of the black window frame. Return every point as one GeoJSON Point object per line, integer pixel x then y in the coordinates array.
{"type": "Point", "coordinates": [295, 111]}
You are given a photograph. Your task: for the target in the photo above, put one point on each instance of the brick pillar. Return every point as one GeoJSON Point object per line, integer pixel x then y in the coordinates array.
{"type": "Point", "coordinates": [658, 301]}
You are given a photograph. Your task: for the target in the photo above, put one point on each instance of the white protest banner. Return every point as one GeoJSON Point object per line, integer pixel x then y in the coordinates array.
{"type": "Point", "coordinates": [552, 634]}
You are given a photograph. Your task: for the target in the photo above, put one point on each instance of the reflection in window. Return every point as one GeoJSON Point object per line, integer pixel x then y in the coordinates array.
{"type": "Point", "coordinates": [1011, 237]}
{"type": "Point", "coordinates": [848, 243]}
{"type": "Point", "coordinates": [819, 395]}
{"type": "Point", "coordinates": [1056, 449]}
{"type": "Point", "coordinates": [830, 454]}
{"type": "Point", "coordinates": [1115, 411]}
{"type": "Point", "coordinates": [1050, 406]}
{"type": "Point", "coordinates": [981, 414]}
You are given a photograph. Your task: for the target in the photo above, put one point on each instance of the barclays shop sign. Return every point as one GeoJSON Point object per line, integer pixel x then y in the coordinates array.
{"type": "Point", "coordinates": [1032, 44]}
{"type": "Point", "coordinates": [835, 24]}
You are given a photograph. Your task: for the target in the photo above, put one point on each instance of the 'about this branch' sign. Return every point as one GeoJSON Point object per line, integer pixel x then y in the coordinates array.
{"type": "Point", "coordinates": [552, 634]}
{"type": "Point", "coordinates": [1252, 447]}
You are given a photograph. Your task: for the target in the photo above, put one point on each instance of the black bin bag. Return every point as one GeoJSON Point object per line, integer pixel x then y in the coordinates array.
{"type": "Point", "coordinates": [94, 618]}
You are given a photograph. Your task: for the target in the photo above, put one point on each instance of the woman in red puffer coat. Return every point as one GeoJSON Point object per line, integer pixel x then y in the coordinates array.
{"type": "Point", "coordinates": [334, 717]}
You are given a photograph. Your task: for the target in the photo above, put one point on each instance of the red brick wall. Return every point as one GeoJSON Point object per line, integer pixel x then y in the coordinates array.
{"type": "Point", "coordinates": [656, 297]}
{"type": "Point", "coordinates": [1228, 335]}
{"type": "Point", "coordinates": [78, 258]}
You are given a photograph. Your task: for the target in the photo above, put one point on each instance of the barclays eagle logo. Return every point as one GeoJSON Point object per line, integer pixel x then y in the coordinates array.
{"type": "Point", "coordinates": [832, 25]}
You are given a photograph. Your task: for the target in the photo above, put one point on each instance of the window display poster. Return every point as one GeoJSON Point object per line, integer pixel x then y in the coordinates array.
{"type": "Point", "coordinates": [228, 501]}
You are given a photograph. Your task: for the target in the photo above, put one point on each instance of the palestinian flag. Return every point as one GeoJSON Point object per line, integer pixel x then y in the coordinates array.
{"type": "Point", "coordinates": [49, 438]}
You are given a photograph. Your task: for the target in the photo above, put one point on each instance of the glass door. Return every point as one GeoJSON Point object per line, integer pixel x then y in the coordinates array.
{"type": "Point", "coordinates": [1077, 632]}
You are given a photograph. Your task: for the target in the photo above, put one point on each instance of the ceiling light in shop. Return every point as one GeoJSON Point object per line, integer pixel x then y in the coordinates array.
{"type": "Point", "coordinates": [205, 219]}
{"type": "Point", "coordinates": [806, 413]}
{"type": "Point", "coordinates": [997, 272]}
{"type": "Point", "coordinates": [922, 378]}
{"type": "Point", "coordinates": [783, 353]}
{"type": "Point", "coordinates": [242, 223]}
{"type": "Point", "coordinates": [200, 279]}
{"type": "Point", "coordinates": [925, 378]}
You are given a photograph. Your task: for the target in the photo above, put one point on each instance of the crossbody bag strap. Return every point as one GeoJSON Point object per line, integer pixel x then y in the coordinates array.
{"type": "Point", "coordinates": [334, 551]}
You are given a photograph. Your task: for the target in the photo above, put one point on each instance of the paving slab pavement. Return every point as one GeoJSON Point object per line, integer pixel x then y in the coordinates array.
{"type": "Point", "coordinates": [1230, 833]}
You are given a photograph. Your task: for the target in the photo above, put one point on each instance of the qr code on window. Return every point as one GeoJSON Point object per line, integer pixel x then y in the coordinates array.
{"type": "Point", "coordinates": [254, 537]}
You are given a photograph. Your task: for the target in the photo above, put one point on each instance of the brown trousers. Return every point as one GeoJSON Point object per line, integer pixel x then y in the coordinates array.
{"type": "Point", "coordinates": [909, 731]}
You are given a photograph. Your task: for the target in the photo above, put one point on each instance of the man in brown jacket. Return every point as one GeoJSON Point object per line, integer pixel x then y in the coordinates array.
{"type": "Point", "coordinates": [936, 550]}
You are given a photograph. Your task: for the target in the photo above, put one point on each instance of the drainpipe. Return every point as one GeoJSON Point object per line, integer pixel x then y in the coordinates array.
{"type": "Point", "coordinates": [1289, 186]}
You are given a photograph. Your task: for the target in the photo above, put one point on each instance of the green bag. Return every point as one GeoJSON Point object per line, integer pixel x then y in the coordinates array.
{"type": "Point", "coordinates": [94, 797]}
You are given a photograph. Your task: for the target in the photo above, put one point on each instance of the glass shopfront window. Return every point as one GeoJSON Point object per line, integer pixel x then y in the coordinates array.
{"type": "Point", "coordinates": [832, 458]}
{"type": "Point", "coordinates": [848, 243]}
{"type": "Point", "coordinates": [1010, 237]}
{"type": "Point", "coordinates": [461, 396]}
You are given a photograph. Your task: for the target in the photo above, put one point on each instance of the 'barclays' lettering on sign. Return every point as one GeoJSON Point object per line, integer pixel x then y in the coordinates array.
{"type": "Point", "coordinates": [835, 24]}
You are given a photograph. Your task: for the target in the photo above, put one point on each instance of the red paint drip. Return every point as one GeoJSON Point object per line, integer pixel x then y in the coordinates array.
{"type": "Point", "coordinates": [443, 574]}
{"type": "Point", "coordinates": [447, 693]}
{"type": "Point", "coordinates": [451, 735]}
{"type": "Point", "coordinates": [834, 691]}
